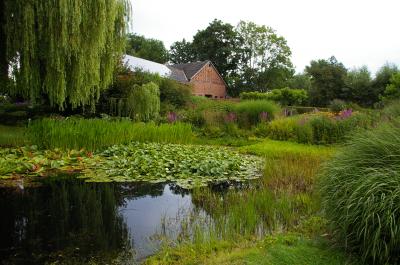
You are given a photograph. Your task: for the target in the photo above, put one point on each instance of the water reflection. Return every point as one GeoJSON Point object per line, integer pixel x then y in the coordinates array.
{"type": "Point", "coordinates": [72, 222]}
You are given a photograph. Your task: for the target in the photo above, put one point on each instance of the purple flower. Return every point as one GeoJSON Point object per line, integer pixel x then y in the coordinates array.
{"type": "Point", "coordinates": [346, 113]}
{"type": "Point", "coordinates": [230, 117]}
{"type": "Point", "coordinates": [172, 117]}
{"type": "Point", "coordinates": [264, 116]}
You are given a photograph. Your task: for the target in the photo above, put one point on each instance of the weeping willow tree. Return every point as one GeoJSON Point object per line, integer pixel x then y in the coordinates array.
{"type": "Point", "coordinates": [63, 51]}
{"type": "Point", "coordinates": [143, 102]}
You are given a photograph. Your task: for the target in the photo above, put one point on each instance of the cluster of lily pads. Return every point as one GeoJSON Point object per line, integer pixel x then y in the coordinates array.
{"type": "Point", "coordinates": [186, 165]}
{"type": "Point", "coordinates": [23, 162]}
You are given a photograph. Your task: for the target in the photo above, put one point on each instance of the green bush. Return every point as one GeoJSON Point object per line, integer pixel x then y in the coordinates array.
{"type": "Point", "coordinates": [318, 128]}
{"type": "Point", "coordinates": [174, 93]}
{"type": "Point", "coordinates": [250, 112]}
{"type": "Point", "coordinates": [144, 102]}
{"type": "Point", "coordinates": [94, 134]}
{"type": "Point", "coordinates": [337, 105]}
{"type": "Point", "coordinates": [284, 96]}
{"type": "Point", "coordinates": [360, 189]}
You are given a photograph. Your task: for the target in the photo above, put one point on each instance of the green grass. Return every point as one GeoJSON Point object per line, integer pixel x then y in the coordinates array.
{"type": "Point", "coordinates": [278, 149]}
{"type": "Point", "coordinates": [361, 194]}
{"type": "Point", "coordinates": [95, 134]}
{"type": "Point", "coordinates": [274, 250]}
{"type": "Point", "coordinates": [12, 136]}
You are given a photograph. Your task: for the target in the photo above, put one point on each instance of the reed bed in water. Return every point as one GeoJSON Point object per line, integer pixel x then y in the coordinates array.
{"type": "Point", "coordinates": [95, 134]}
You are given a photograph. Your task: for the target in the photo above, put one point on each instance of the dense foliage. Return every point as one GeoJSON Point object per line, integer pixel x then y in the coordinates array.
{"type": "Point", "coordinates": [149, 49]}
{"type": "Point", "coordinates": [392, 91]}
{"type": "Point", "coordinates": [317, 128]}
{"type": "Point", "coordinates": [64, 51]}
{"type": "Point", "coordinates": [327, 81]}
{"type": "Point", "coordinates": [360, 190]}
{"type": "Point", "coordinates": [284, 96]}
{"type": "Point", "coordinates": [252, 112]}
{"type": "Point", "coordinates": [144, 102]}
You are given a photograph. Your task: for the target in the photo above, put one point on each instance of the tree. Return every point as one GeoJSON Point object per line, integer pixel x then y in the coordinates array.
{"type": "Point", "coordinates": [181, 52]}
{"type": "Point", "coordinates": [265, 57]}
{"type": "Point", "coordinates": [63, 51]}
{"type": "Point", "coordinates": [392, 90]}
{"type": "Point", "coordinates": [144, 102]}
{"type": "Point", "coordinates": [382, 80]}
{"type": "Point", "coordinates": [358, 86]}
{"type": "Point", "coordinates": [300, 81]}
{"type": "Point", "coordinates": [327, 81]}
{"type": "Point", "coordinates": [149, 49]}
{"type": "Point", "coordinates": [217, 43]}
{"type": "Point", "coordinates": [3, 47]}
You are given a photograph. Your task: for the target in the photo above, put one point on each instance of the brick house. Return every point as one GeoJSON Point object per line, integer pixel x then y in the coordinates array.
{"type": "Point", "coordinates": [202, 76]}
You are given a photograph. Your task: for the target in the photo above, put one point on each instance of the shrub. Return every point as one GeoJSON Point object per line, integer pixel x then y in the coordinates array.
{"type": "Point", "coordinates": [250, 112]}
{"type": "Point", "coordinates": [282, 129]}
{"type": "Point", "coordinates": [337, 105]}
{"type": "Point", "coordinates": [360, 189]}
{"type": "Point", "coordinates": [321, 128]}
{"type": "Point", "coordinates": [174, 93]}
{"type": "Point", "coordinates": [284, 96]}
{"type": "Point", "coordinates": [144, 102]}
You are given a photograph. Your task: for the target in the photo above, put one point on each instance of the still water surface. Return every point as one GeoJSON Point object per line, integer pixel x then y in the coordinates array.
{"type": "Point", "coordinates": [71, 221]}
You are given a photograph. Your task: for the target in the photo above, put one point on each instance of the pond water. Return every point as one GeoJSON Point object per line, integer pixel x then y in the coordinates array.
{"type": "Point", "coordinates": [72, 221]}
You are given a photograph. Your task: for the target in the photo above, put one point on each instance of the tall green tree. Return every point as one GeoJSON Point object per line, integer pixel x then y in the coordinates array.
{"type": "Point", "coordinates": [218, 43]}
{"type": "Point", "coordinates": [182, 52]}
{"type": "Point", "coordinates": [63, 51]}
{"type": "Point", "coordinates": [358, 86]}
{"type": "Point", "coordinates": [392, 91]}
{"type": "Point", "coordinates": [265, 57]}
{"type": "Point", "coordinates": [382, 80]}
{"type": "Point", "coordinates": [327, 81]}
{"type": "Point", "coordinates": [3, 47]}
{"type": "Point", "coordinates": [146, 48]}
{"type": "Point", "coordinates": [300, 81]}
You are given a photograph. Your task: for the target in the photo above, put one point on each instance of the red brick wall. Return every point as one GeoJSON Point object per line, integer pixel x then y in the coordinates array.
{"type": "Point", "coordinates": [208, 83]}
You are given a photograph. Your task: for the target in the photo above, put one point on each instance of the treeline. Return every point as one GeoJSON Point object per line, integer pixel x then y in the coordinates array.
{"type": "Point", "coordinates": [251, 57]}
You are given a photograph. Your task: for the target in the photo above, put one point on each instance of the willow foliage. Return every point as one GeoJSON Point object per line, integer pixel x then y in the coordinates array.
{"type": "Point", "coordinates": [144, 102]}
{"type": "Point", "coordinates": [64, 50]}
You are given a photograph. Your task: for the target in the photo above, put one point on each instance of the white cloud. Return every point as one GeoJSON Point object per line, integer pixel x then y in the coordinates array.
{"type": "Point", "coordinates": [357, 32]}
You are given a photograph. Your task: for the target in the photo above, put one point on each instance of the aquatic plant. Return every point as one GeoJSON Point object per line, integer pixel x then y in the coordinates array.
{"type": "Point", "coordinates": [186, 165]}
{"type": "Point", "coordinates": [30, 162]}
{"type": "Point", "coordinates": [95, 134]}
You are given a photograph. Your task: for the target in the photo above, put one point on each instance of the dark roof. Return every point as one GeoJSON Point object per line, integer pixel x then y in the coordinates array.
{"type": "Point", "coordinates": [190, 69]}
{"type": "Point", "coordinates": [177, 74]}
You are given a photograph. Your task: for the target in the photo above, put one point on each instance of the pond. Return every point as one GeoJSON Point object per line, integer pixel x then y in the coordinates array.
{"type": "Point", "coordinates": [71, 221]}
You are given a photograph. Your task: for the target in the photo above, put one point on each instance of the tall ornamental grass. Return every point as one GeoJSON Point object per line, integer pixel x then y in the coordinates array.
{"type": "Point", "coordinates": [94, 134]}
{"type": "Point", "coordinates": [360, 189]}
{"type": "Point", "coordinates": [251, 112]}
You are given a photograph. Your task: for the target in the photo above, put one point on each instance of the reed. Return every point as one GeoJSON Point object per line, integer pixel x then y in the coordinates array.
{"type": "Point", "coordinates": [12, 136]}
{"type": "Point", "coordinates": [95, 134]}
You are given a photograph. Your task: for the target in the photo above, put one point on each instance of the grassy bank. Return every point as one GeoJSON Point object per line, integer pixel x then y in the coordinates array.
{"type": "Point", "coordinates": [273, 250]}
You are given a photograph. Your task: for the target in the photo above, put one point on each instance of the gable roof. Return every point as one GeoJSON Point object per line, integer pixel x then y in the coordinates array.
{"type": "Point", "coordinates": [190, 69]}
{"type": "Point", "coordinates": [134, 63]}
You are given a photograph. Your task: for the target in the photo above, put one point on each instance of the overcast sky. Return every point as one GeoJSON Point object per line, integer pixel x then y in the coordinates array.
{"type": "Point", "coordinates": [357, 32]}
